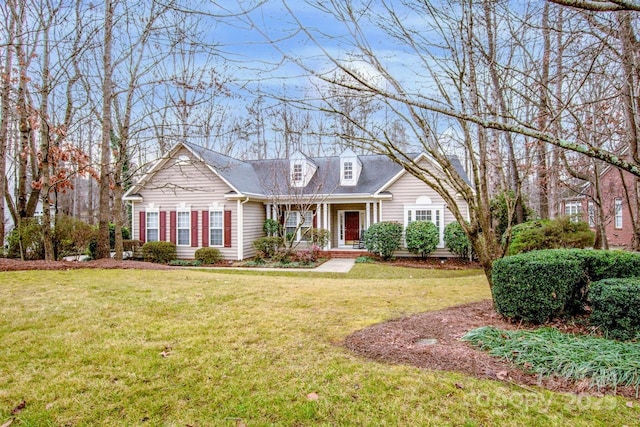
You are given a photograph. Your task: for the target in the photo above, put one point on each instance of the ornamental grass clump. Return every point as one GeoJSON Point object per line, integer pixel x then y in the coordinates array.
{"type": "Point", "coordinates": [547, 352]}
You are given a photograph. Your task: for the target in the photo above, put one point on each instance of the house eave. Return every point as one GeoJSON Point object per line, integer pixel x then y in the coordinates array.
{"type": "Point", "coordinates": [133, 198]}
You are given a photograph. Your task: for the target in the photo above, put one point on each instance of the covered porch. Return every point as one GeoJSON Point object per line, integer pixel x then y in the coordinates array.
{"type": "Point", "coordinates": [345, 220]}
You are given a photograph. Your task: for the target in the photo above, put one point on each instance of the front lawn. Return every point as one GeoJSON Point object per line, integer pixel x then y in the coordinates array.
{"type": "Point", "coordinates": [176, 347]}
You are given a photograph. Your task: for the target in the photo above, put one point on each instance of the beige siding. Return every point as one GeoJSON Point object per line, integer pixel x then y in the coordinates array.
{"type": "Point", "coordinates": [193, 185]}
{"type": "Point", "coordinates": [405, 191]}
{"type": "Point", "coordinates": [254, 216]}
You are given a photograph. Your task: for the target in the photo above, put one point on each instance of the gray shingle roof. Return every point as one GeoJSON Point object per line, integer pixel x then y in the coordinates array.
{"type": "Point", "coordinates": [271, 177]}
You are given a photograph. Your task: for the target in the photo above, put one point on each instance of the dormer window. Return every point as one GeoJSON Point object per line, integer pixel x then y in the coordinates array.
{"type": "Point", "coordinates": [350, 168]}
{"type": "Point", "coordinates": [296, 175]}
{"type": "Point", "coordinates": [347, 173]}
{"type": "Point", "coordinates": [302, 169]}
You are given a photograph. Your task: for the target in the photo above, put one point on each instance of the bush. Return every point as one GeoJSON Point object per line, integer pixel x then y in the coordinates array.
{"type": "Point", "coordinates": [25, 241]}
{"type": "Point", "coordinates": [536, 286]}
{"type": "Point", "coordinates": [159, 252]}
{"type": "Point", "coordinates": [422, 237]}
{"type": "Point", "coordinates": [550, 234]}
{"type": "Point", "coordinates": [208, 255]}
{"type": "Point", "coordinates": [615, 305]}
{"type": "Point", "coordinates": [126, 234]}
{"type": "Point", "coordinates": [457, 242]}
{"type": "Point", "coordinates": [319, 236]}
{"type": "Point", "coordinates": [271, 227]}
{"type": "Point", "coordinates": [383, 238]}
{"type": "Point", "coordinates": [308, 256]}
{"type": "Point", "coordinates": [517, 279]}
{"type": "Point", "coordinates": [267, 247]}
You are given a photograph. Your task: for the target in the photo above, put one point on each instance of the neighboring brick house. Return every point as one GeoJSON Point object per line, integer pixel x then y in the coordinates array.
{"type": "Point", "coordinates": [196, 197]}
{"type": "Point", "coordinates": [619, 206]}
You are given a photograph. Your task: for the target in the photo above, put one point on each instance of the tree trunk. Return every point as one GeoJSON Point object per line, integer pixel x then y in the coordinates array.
{"type": "Point", "coordinates": [103, 249]}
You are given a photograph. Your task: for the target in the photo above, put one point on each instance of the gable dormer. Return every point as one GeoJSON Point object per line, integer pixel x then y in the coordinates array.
{"type": "Point", "coordinates": [350, 168]}
{"type": "Point", "coordinates": [301, 169]}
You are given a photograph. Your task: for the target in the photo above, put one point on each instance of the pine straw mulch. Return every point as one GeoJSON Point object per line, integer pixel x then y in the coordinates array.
{"type": "Point", "coordinates": [398, 340]}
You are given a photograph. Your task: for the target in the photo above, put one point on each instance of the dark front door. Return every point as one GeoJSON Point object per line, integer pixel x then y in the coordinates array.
{"type": "Point", "coordinates": [351, 226]}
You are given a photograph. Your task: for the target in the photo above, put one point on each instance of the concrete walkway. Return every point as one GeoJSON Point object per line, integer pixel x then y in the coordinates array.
{"type": "Point", "coordinates": [334, 265]}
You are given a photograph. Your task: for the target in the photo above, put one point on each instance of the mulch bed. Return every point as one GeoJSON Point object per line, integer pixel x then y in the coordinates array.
{"type": "Point", "coordinates": [408, 340]}
{"type": "Point", "coordinates": [8, 264]}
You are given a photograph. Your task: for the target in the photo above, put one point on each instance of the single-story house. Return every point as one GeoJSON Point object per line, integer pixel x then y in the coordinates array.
{"type": "Point", "coordinates": [196, 197]}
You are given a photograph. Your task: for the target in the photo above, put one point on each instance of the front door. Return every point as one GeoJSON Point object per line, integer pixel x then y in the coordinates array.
{"type": "Point", "coordinates": [351, 226]}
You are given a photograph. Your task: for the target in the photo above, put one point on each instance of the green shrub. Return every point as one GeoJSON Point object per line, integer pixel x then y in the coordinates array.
{"type": "Point", "coordinates": [615, 305]}
{"type": "Point", "coordinates": [422, 237]}
{"type": "Point", "coordinates": [159, 252]}
{"type": "Point", "coordinates": [457, 241]}
{"type": "Point", "coordinates": [126, 234]}
{"type": "Point", "coordinates": [208, 255]}
{"type": "Point", "coordinates": [25, 241]}
{"type": "Point", "coordinates": [365, 260]}
{"type": "Point", "coordinates": [267, 247]}
{"type": "Point", "coordinates": [383, 238]}
{"type": "Point", "coordinates": [550, 234]}
{"type": "Point", "coordinates": [271, 227]}
{"type": "Point", "coordinates": [536, 286]}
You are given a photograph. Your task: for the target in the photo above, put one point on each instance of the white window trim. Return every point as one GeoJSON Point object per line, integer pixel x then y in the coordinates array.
{"type": "Point", "coordinates": [182, 210]}
{"type": "Point", "coordinates": [617, 212]}
{"type": "Point", "coordinates": [573, 209]}
{"type": "Point", "coordinates": [431, 207]}
{"type": "Point", "coordinates": [221, 228]}
{"type": "Point", "coordinates": [294, 178]}
{"type": "Point", "coordinates": [146, 224]}
{"type": "Point", "coordinates": [299, 229]}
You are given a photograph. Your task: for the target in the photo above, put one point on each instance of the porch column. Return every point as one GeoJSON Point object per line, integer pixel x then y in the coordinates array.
{"type": "Point", "coordinates": [380, 204]}
{"type": "Point", "coordinates": [327, 222]}
{"type": "Point", "coordinates": [274, 213]}
{"type": "Point", "coordinates": [367, 217]}
{"type": "Point", "coordinates": [319, 215]}
{"type": "Point", "coordinates": [267, 208]}
{"type": "Point", "coordinates": [375, 212]}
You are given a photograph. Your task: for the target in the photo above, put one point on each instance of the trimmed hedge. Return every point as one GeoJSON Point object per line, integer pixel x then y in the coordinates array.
{"type": "Point", "coordinates": [538, 285]}
{"type": "Point", "coordinates": [160, 252]}
{"type": "Point", "coordinates": [535, 286]}
{"type": "Point", "coordinates": [208, 255]}
{"type": "Point", "coordinates": [383, 238]}
{"type": "Point", "coordinates": [457, 241]}
{"type": "Point", "coordinates": [422, 237]}
{"type": "Point", "coordinates": [615, 305]}
{"type": "Point", "coordinates": [550, 234]}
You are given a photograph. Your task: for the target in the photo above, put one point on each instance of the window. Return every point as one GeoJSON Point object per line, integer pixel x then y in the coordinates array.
{"type": "Point", "coordinates": [573, 209]}
{"type": "Point", "coordinates": [592, 214]}
{"type": "Point", "coordinates": [153, 226]}
{"type": "Point", "coordinates": [298, 225]}
{"type": "Point", "coordinates": [296, 175]}
{"type": "Point", "coordinates": [434, 214]}
{"type": "Point", "coordinates": [184, 228]}
{"type": "Point", "coordinates": [348, 171]}
{"type": "Point", "coordinates": [618, 213]}
{"type": "Point", "coordinates": [216, 228]}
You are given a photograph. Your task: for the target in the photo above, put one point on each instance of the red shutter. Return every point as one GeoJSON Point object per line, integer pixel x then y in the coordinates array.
{"type": "Point", "coordinates": [205, 228]}
{"type": "Point", "coordinates": [194, 229]}
{"type": "Point", "coordinates": [163, 226]}
{"type": "Point", "coordinates": [227, 229]}
{"type": "Point", "coordinates": [143, 230]}
{"type": "Point", "coordinates": [172, 227]}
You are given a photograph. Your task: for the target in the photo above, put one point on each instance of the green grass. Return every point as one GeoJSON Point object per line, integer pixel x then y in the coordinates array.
{"type": "Point", "coordinates": [547, 351]}
{"type": "Point", "coordinates": [175, 348]}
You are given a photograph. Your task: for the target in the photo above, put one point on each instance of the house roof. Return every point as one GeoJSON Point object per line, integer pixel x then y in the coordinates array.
{"type": "Point", "coordinates": [271, 177]}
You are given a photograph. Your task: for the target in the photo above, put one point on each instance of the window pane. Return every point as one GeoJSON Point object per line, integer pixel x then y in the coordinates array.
{"type": "Point", "coordinates": [152, 235]}
{"type": "Point", "coordinates": [183, 236]}
{"type": "Point", "coordinates": [152, 219]}
{"type": "Point", "coordinates": [183, 219]}
{"type": "Point", "coordinates": [216, 223]}
{"type": "Point", "coordinates": [618, 213]}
